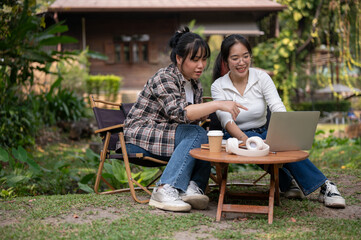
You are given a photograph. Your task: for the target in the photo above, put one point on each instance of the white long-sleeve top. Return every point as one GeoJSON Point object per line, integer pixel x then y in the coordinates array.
{"type": "Point", "coordinates": [260, 92]}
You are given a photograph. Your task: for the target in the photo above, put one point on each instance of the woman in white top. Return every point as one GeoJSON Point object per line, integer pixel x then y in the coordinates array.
{"type": "Point", "coordinates": [235, 80]}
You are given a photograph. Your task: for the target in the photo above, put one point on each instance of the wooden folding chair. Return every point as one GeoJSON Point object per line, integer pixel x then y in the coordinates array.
{"type": "Point", "coordinates": [110, 127]}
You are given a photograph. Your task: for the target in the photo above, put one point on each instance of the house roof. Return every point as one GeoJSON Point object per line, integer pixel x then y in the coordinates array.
{"type": "Point", "coordinates": [163, 5]}
{"type": "Point", "coordinates": [248, 28]}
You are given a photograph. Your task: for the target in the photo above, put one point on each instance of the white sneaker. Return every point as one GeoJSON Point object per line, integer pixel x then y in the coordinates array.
{"type": "Point", "coordinates": [330, 196]}
{"type": "Point", "coordinates": [167, 198]}
{"type": "Point", "coordinates": [195, 196]}
{"type": "Point", "coordinates": [294, 192]}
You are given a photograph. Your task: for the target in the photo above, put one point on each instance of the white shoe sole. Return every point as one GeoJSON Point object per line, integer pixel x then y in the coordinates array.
{"type": "Point", "coordinates": [197, 201]}
{"type": "Point", "coordinates": [170, 207]}
{"type": "Point", "coordinates": [334, 202]}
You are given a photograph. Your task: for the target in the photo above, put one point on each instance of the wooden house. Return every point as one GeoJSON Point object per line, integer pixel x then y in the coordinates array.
{"type": "Point", "coordinates": [134, 33]}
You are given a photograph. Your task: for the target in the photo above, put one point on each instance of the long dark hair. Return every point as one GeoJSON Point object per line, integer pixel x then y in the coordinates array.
{"type": "Point", "coordinates": [184, 42]}
{"type": "Point", "coordinates": [220, 66]}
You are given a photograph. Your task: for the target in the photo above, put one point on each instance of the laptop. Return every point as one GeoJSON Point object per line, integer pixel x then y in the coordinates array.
{"type": "Point", "coordinates": [288, 131]}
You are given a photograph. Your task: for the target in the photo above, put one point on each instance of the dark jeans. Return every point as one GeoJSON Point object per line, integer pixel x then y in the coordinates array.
{"type": "Point", "coordinates": [182, 167]}
{"type": "Point", "coordinates": [306, 174]}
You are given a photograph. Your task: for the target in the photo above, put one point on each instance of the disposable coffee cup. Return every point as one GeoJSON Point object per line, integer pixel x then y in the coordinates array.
{"type": "Point", "coordinates": [215, 140]}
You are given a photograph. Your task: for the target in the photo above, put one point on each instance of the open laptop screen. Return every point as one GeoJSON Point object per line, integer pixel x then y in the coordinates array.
{"type": "Point", "coordinates": [289, 131]}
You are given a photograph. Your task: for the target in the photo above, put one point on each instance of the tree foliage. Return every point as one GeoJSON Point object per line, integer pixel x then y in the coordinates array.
{"type": "Point", "coordinates": [306, 26]}
{"type": "Point", "coordinates": [23, 49]}
{"type": "Point", "coordinates": [22, 45]}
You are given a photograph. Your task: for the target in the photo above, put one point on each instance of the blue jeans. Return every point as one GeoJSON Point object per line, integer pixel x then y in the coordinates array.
{"type": "Point", "coordinates": [182, 167]}
{"type": "Point", "coordinates": [307, 175]}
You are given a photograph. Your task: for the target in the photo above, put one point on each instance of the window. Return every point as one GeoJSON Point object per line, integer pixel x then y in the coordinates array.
{"type": "Point", "coordinates": [131, 49]}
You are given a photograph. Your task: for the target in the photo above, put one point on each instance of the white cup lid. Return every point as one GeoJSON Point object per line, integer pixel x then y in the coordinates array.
{"type": "Point", "coordinates": [215, 133]}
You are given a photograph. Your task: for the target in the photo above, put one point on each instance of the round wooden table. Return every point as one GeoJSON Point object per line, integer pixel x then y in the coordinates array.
{"type": "Point", "coordinates": [272, 163]}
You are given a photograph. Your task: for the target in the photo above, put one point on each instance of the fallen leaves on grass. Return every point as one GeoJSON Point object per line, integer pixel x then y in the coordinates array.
{"type": "Point", "coordinates": [40, 149]}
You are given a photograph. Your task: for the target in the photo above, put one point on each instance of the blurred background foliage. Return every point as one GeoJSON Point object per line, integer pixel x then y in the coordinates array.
{"type": "Point", "coordinates": [310, 26]}
{"type": "Point", "coordinates": [40, 86]}
{"type": "Point", "coordinates": [28, 105]}
{"type": "Point", "coordinates": [109, 84]}
{"type": "Point", "coordinates": [24, 107]}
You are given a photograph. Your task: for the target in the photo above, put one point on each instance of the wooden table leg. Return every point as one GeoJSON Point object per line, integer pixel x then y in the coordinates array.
{"type": "Point", "coordinates": [222, 170]}
{"type": "Point", "coordinates": [272, 191]}
{"type": "Point", "coordinates": [277, 184]}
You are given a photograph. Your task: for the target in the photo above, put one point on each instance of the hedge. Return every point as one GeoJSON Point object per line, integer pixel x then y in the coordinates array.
{"type": "Point", "coordinates": [323, 106]}
{"type": "Point", "coordinates": [109, 84]}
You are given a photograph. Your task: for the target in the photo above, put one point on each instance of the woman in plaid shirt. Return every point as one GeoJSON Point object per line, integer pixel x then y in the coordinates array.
{"type": "Point", "coordinates": [163, 124]}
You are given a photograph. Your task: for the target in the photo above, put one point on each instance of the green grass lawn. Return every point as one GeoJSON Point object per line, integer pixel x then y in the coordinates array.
{"type": "Point", "coordinates": [339, 130]}
{"type": "Point", "coordinates": [91, 216]}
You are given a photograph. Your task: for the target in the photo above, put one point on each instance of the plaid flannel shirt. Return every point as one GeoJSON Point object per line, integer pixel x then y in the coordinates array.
{"type": "Point", "coordinates": [159, 109]}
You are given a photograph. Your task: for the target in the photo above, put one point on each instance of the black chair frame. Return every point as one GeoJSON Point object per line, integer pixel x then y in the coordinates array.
{"type": "Point", "coordinates": [110, 128]}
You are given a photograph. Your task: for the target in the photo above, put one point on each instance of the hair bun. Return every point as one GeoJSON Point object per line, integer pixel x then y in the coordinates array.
{"type": "Point", "coordinates": [174, 40]}
{"type": "Point", "coordinates": [185, 29]}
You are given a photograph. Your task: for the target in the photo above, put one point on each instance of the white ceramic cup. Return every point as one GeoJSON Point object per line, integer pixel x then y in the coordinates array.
{"type": "Point", "coordinates": [215, 140]}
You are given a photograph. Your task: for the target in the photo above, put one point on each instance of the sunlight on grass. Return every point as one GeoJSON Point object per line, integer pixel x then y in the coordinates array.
{"type": "Point", "coordinates": [339, 130]}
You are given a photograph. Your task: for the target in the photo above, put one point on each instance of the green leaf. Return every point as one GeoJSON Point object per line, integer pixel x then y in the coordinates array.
{"type": "Point", "coordinates": [66, 110]}
{"type": "Point", "coordinates": [56, 28]}
{"type": "Point", "coordinates": [300, 4]}
{"type": "Point", "coordinates": [136, 175]}
{"type": "Point", "coordinates": [45, 170]}
{"type": "Point", "coordinates": [87, 178]}
{"type": "Point", "coordinates": [16, 154]}
{"type": "Point", "coordinates": [37, 56]}
{"type": "Point", "coordinates": [284, 53]}
{"type": "Point", "coordinates": [56, 84]}
{"type": "Point", "coordinates": [23, 155]}
{"type": "Point", "coordinates": [297, 16]}
{"type": "Point", "coordinates": [148, 173]}
{"type": "Point", "coordinates": [11, 162]}
{"type": "Point", "coordinates": [60, 165]}
{"type": "Point", "coordinates": [96, 55]}
{"type": "Point", "coordinates": [90, 154]}
{"type": "Point", "coordinates": [107, 175]}
{"type": "Point", "coordinates": [58, 39]}
{"type": "Point", "coordinates": [13, 180]}
{"type": "Point", "coordinates": [85, 188]}
{"type": "Point", "coordinates": [108, 168]}
{"type": "Point", "coordinates": [33, 165]}
{"type": "Point", "coordinates": [4, 156]}
{"type": "Point", "coordinates": [119, 172]}
{"type": "Point", "coordinates": [41, 37]}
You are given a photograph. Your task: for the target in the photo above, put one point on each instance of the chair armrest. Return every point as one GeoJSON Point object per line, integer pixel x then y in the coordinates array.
{"type": "Point", "coordinates": [112, 129]}
{"type": "Point", "coordinates": [205, 123]}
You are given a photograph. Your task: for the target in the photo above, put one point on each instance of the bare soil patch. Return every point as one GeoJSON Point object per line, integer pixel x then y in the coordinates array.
{"type": "Point", "coordinates": [87, 215]}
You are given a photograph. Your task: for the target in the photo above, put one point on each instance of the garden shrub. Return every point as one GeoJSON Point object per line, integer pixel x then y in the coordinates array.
{"type": "Point", "coordinates": [109, 84]}
{"type": "Point", "coordinates": [22, 176]}
{"type": "Point", "coordinates": [59, 105]}
{"type": "Point", "coordinates": [74, 72]}
{"type": "Point", "coordinates": [323, 106]}
{"type": "Point", "coordinates": [21, 119]}
{"type": "Point", "coordinates": [18, 124]}
{"type": "Point", "coordinates": [24, 48]}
